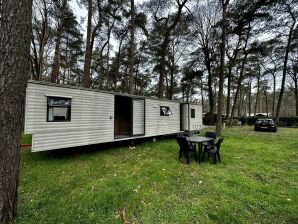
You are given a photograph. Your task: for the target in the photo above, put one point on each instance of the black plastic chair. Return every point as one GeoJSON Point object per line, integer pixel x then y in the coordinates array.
{"type": "Point", "coordinates": [213, 150]}
{"type": "Point", "coordinates": [186, 148]}
{"type": "Point", "coordinates": [209, 134]}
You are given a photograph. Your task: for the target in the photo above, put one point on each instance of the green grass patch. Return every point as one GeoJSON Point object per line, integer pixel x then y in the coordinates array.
{"type": "Point", "coordinates": [256, 182]}
{"type": "Point", "coordinates": [26, 139]}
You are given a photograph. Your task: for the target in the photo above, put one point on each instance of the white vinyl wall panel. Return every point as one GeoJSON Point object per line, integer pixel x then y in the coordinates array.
{"type": "Point", "coordinates": [161, 125]}
{"type": "Point", "coordinates": [92, 118]}
{"type": "Point", "coordinates": [195, 123]}
{"type": "Point", "coordinates": [138, 117]}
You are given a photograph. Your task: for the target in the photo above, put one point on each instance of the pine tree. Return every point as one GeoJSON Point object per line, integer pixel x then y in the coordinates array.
{"type": "Point", "coordinates": [15, 26]}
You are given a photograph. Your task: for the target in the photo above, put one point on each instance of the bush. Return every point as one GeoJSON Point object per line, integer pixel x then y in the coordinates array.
{"type": "Point", "coordinates": [283, 121]}
{"type": "Point", "coordinates": [288, 122]}
{"type": "Point", "coordinates": [234, 122]}
{"type": "Point", "coordinates": [211, 118]}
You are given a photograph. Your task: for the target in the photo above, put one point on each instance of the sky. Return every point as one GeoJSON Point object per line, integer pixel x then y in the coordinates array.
{"type": "Point", "coordinates": [82, 12]}
{"type": "Point", "coordinates": [79, 12]}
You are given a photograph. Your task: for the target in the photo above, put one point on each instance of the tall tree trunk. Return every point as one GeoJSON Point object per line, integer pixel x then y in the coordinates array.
{"type": "Point", "coordinates": [66, 66]}
{"type": "Point", "coordinates": [257, 95]}
{"type": "Point", "coordinates": [229, 92]}
{"type": "Point", "coordinates": [266, 101]}
{"type": "Point", "coordinates": [43, 39]}
{"type": "Point", "coordinates": [210, 91]}
{"type": "Point", "coordinates": [132, 46]}
{"type": "Point", "coordinates": [215, 94]}
{"type": "Point", "coordinates": [295, 80]}
{"type": "Point", "coordinates": [202, 94]}
{"type": "Point", "coordinates": [296, 94]}
{"type": "Point", "coordinates": [15, 26]}
{"type": "Point", "coordinates": [34, 61]}
{"type": "Point", "coordinates": [172, 72]}
{"type": "Point", "coordinates": [87, 65]}
{"type": "Point", "coordinates": [161, 85]}
{"type": "Point", "coordinates": [229, 76]}
{"type": "Point", "coordinates": [56, 62]}
{"type": "Point", "coordinates": [241, 75]}
{"type": "Point", "coordinates": [249, 99]}
{"type": "Point", "coordinates": [164, 46]}
{"type": "Point", "coordinates": [117, 73]}
{"type": "Point", "coordinates": [274, 93]}
{"type": "Point", "coordinates": [104, 72]}
{"type": "Point", "coordinates": [222, 68]}
{"type": "Point", "coordinates": [238, 88]}
{"type": "Point", "coordinates": [284, 73]}
{"type": "Point", "coordinates": [171, 84]}
{"type": "Point", "coordinates": [240, 102]}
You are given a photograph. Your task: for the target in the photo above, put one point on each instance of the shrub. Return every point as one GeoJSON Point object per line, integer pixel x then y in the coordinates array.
{"type": "Point", "coordinates": [283, 121]}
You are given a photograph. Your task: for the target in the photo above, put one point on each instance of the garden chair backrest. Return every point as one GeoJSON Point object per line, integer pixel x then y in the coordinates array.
{"type": "Point", "coordinates": [218, 143]}
{"type": "Point", "coordinates": [210, 134]}
{"type": "Point", "coordinates": [182, 141]}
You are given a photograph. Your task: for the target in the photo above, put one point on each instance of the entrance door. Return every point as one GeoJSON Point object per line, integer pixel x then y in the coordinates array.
{"type": "Point", "coordinates": [123, 117]}
{"type": "Point", "coordinates": [138, 117]}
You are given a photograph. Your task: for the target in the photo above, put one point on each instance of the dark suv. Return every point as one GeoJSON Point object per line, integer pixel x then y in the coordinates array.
{"type": "Point", "coordinates": [266, 125]}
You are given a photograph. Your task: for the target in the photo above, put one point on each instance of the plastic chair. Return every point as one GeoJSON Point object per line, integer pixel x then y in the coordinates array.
{"type": "Point", "coordinates": [213, 150]}
{"type": "Point", "coordinates": [186, 148]}
{"type": "Point", "coordinates": [209, 134]}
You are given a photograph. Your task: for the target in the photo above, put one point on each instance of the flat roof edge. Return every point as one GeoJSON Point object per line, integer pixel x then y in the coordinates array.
{"type": "Point", "coordinates": [102, 91]}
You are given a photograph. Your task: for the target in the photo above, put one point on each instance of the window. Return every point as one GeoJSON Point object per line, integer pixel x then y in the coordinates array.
{"type": "Point", "coordinates": [192, 113]}
{"type": "Point", "coordinates": [165, 111]}
{"type": "Point", "coordinates": [59, 109]}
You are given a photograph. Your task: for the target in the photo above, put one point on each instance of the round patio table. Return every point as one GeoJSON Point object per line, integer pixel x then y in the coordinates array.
{"type": "Point", "coordinates": [199, 141]}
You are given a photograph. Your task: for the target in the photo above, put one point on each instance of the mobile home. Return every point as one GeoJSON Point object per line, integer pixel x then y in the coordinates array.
{"type": "Point", "coordinates": [61, 116]}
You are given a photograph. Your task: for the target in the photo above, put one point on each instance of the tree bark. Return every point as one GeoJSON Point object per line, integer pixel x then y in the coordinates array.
{"type": "Point", "coordinates": [294, 77]}
{"type": "Point", "coordinates": [238, 88]}
{"type": "Point", "coordinates": [172, 71]}
{"type": "Point", "coordinates": [231, 64]}
{"type": "Point", "coordinates": [274, 93]}
{"type": "Point", "coordinates": [210, 90]}
{"type": "Point", "coordinates": [296, 94]}
{"type": "Point", "coordinates": [165, 43]}
{"type": "Point", "coordinates": [202, 95]}
{"type": "Point", "coordinates": [87, 65]}
{"type": "Point", "coordinates": [266, 101]}
{"type": "Point", "coordinates": [249, 99]}
{"type": "Point", "coordinates": [161, 85]}
{"type": "Point", "coordinates": [222, 68]}
{"type": "Point", "coordinates": [15, 26]}
{"type": "Point", "coordinates": [56, 61]}
{"type": "Point", "coordinates": [132, 46]}
{"type": "Point", "coordinates": [42, 37]}
{"type": "Point", "coordinates": [240, 102]}
{"type": "Point", "coordinates": [284, 73]}
{"type": "Point", "coordinates": [257, 96]}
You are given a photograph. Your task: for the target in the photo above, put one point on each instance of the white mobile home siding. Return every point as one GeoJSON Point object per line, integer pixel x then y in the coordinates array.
{"type": "Point", "coordinates": [196, 123]}
{"type": "Point", "coordinates": [92, 118]}
{"type": "Point", "coordinates": [138, 117]}
{"type": "Point", "coordinates": [193, 123]}
{"type": "Point", "coordinates": [161, 125]}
